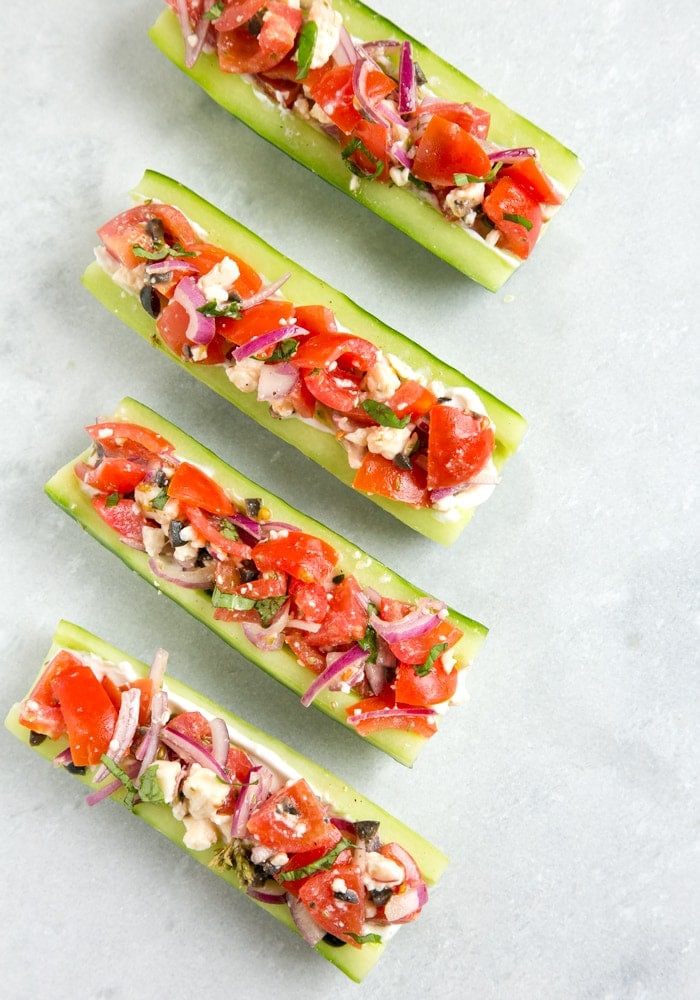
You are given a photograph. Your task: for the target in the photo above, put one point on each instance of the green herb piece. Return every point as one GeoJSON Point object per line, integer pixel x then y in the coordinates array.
{"type": "Point", "coordinates": [149, 786]}
{"type": "Point", "coordinates": [228, 529]}
{"type": "Point", "coordinates": [158, 502]}
{"type": "Point", "coordinates": [115, 770]}
{"type": "Point", "coordinates": [422, 669]}
{"type": "Point", "coordinates": [354, 146]}
{"type": "Point", "coordinates": [231, 308]}
{"type": "Point", "coordinates": [161, 251]}
{"type": "Point", "coordinates": [267, 607]}
{"type": "Point", "coordinates": [383, 414]}
{"type": "Point", "coordinates": [520, 219]}
{"type": "Point", "coordinates": [367, 938]}
{"type": "Point", "coordinates": [417, 182]}
{"type": "Point", "coordinates": [112, 500]}
{"type": "Point", "coordinates": [461, 179]}
{"type": "Point", "coordinates": [305, 49]}
{"type": "Point", "coordinates": [216, 10]}
{"type": "Point", "coordinates": [321, 864]}
{"type": "Point", "coordinates": [284, 350]}
{"type": "Point", "coordinates": [368, 642]}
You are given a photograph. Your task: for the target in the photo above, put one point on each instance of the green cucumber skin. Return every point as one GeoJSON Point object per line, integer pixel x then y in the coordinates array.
{"type": "Point", "coordinates": [345, 800]}
{"type": "Point", "coordinates": [302, 287]}
{"type": "Point", "coordinates": [319, 153]}
{"type": "Point", "coordinates": [65, 491]}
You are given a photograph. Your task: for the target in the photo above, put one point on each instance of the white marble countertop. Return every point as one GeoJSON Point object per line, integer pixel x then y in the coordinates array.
{"type": "Point", "coordinates": [564, 792]}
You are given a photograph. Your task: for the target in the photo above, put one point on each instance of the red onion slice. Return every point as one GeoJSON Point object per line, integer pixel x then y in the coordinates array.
{"type": "Point", "coordinates": [403, 906]}
{"type": "Point", "coordinates": [103, 793]}
{"type": "Point", "coordinates": [353, 657]}
{"type": "Point", "coordinates": [266, 292]}
{"type": "Point", "coordinates": [304, 922]}
{"type": "Point", "coordinates": [416, 623]}
{"type": "Point", "coordinates": [391, 713]}
{"type": "Point", "coordinates": [169, 264]}
{"type": "Point", "coordinates": [199, 578]}
{"type": "Point", "coordinates": [276, 381]}
{"type": "Point", "coordinates": [159, 664]}
{"type": "Point", "coordinates": [200, 328]}
{"type": "Point", "coordinates": [265, 896]}
{"type": "Point", "coordinates": [192, 752]}
{"type": "Point", "coordinates": [148, 747]}
{"type": "Point", "coordinates": [345, 51]}
{"type": "Point", "coordinates": [124, 730]}
{"type": "Point", "coordinates": [407, 80]}
{"type": "Point", "coordinates": [220, 741]}
{"type": "Point", "coordinates": [512, 155]}
{"type": "Point", "coordinates": [265, 340]}
{"type": "Point", "coordinates": [256, 790]}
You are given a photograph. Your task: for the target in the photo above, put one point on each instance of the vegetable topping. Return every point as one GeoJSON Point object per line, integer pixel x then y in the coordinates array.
{"type": "Point", "coordinates": [409, 438]}
{"type": "Point", "coordinates": [373, 99]}
{"type": "Point", "coordinates": [341, 883]}
{"type": "Point", "coordinates": [284, 587]}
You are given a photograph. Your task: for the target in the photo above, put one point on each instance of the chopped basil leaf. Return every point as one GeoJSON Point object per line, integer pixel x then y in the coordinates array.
{"type": "Point", "coordinates": [305, 49]}
{"type": "Point", "coordinates": [353, 146]}
{"type": "Point", "coordinates": [520, 219]}
{"type": "Point", "coordinates": [115, 769]}
{"type": "Point", "coordinates": [321, 864]}
{"type": "Point", "coordinates": [267, 607]}
{"type": "Point", "coordinates": [461, 179]}
{"type": "Point", "coordinates": [112, 500]}
{"type": "Point", "coordinates": [367, 938]}
{"type": "Point", "coordinates": [162, 251]}
{"type": "Point", "coordinates": [231, 308]}
{"type": "Point", "coordinates": [229, 530]}
{"type": "Point", "coordinates": [417, 182]}
{"type": "Point", "coordinates": [216, 10]}
{"type": "Point", "coordinates": [383, 414]}
{"type": "Point", "coordinates": [159, 501]}
{"type": "Point", "coordinates": [149, 787]}
{"type": "Point", "coordinates": [422, 669]}
{"type": "Point", "coordinates": [284, 350]}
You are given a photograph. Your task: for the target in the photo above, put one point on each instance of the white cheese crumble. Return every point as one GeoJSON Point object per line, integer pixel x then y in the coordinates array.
{"type": "Point", "coordinates": [328, 22]}
{"type": "Point", "coordinates": [217, 283]}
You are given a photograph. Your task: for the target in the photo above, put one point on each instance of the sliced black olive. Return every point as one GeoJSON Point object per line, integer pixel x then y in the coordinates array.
{"type": "Point", "coordinates": [174, 532]}
{"type": "Point", "coordinates": [36, 739]}
{"type": "Point", "coordinates": [150, 300]}
{"type": "Point", "coordinates": [252, 506]}
{"type": "Point", "coordinates": [248, 571]}
{"type": "Point", "coordinates": [347, 896]}
{"type": "Point", "coordinates": [161, 479]}
{"type": "Point", "coordinates": [402, 461]}
{"type": "Point", "coordinates": [74, 768]}
{"type": "Point", "coordinates": [380, 896]}
{"type": "Point", "coordinates": [154, 228]}
{"type": "Point", "coordinates": [366, 829]}
{"type": "Point", "coordinates": [333, 941]}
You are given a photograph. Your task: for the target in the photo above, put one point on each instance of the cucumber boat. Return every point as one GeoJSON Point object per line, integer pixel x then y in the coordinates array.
{"type": "Point", "coordinates": [157, 746]}
{"type": "Point", "coordinates": [358, 121]}
{"type": "Point", "coordinates": [381, 413]}
{"type": "Point", "coordinates": [309, 607]}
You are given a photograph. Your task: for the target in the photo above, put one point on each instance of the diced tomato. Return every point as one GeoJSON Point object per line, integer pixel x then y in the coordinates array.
{"type": "Point", "coordinates": [336, 900]}
{"type": "Point", "coordinates": [299, 860]}
{"type": "Point", "coordinates": [237, 12]}
{"type": "Point", "coordinates": [114, 693]}
{"type": "Point", "coordinates": [390, 609]}
{"type": "Point", "coordinates": [374, 139]}
{"type": "Point", "coordinates": [305, 653]}
{"type": "Point", "coordinates": [139, 226]}
{"type": "Point", "coordinates": [241, 52]}
{"type": "Point", "coordinates": [337, 390]}
{"type": "Point", "coordinates": [446, 149]}
{"type": "Point", "coordinates": [533, 180]}
{"type": "Point", "coordinates": [239, 766]}
{"type": "Point", "coordinates": [429, 689]}
{"type": "Point", "coordinates": [298, 553]}
{"type": "Point", "coordinates": [472, 119]}
{"type": "Point", "coordinates": [209, 527]}
{"type": "Point", "coordinates": [378, 475]}
{"type": "Point", "coordinates": [418, 649]}
{"type": "Point", "coordinates": [316, 319]}
{"type": "Point", "coordinates": [346, 618]}
{"type": "Point", "coordinates": [400, 855]}
{"type": "Point", "coordinates": [40, 710]}
{"type": "Point", "coordinates": [417, 724]}
{"type": "Point", "coordinates": [516, 215]}
{"type": "Point", "coordinates": [193, 486]}
{"type": "Point", "coordinates": [266, 316]}
{"type": "Point", "coordinates": [332, 89]}
{"type": "Point", "coordinates": [207, 256]}
{"type": "Point", "coordinates": [117, 432]}
{"type": "Point", "coordinates": [145, 686]}
{"type": "Point", "coordinates": [352, 354]}
{"type": "Point", "coordinates": [412, 399]}
{"type": "Point", "coordinates": [273, 585]}
{"type": "Point", "coordinates": [194, 725]}
{"type": "Point", "coordinates": [459, 446]}
{"type": "Point", "coordinates": [310, 600]}
{"type": "Point", "coordinates": [301, 399]}
{"type": "Point", "coordinates": [88, 711]}
{"type": "Point", "coordinates": [112, 475]}
{"type": "Point", "coordinates": [293, 819]}
{"type": "Point", "coordinates": [124, 517]}
{"type": "Point", "coordinates": [172, 326]}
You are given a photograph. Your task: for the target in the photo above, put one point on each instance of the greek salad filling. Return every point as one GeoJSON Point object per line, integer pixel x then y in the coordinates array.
{"type": "Point", "coordinates": [341, 883]}
{"type": "Point", "coordinates": [408, 437]}
{"type": "Point", "coordinates": [282, 586]}
{"type": "Point", "coordinates": [374, 100]}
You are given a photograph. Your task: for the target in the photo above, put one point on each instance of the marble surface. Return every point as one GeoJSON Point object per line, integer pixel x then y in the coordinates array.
{"type": "Point", "coordinates": [564, 792]}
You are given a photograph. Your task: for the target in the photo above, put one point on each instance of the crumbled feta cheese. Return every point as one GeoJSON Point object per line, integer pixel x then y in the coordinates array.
{"type": "Point", "coordinates": [381, 871]}
{"type": "Point", "coordinates": [200, 834]}
{"type": "Point", "coordinates": [388, 441]}
{"type": "Point", "coordinates": [463, 201]}
{"type": "Point", "coordinates": [328, 22]}
{"type": "Point", "coordinates": [245, 375]}
{"type": "Point", "coordinates": [204, 792]}
{"type": "Point", "coordinates": [216, 284]}
{"type": "Point", "coordinates": [167, 776]}
{"type": "Point", "coordinates": [381, 380]}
